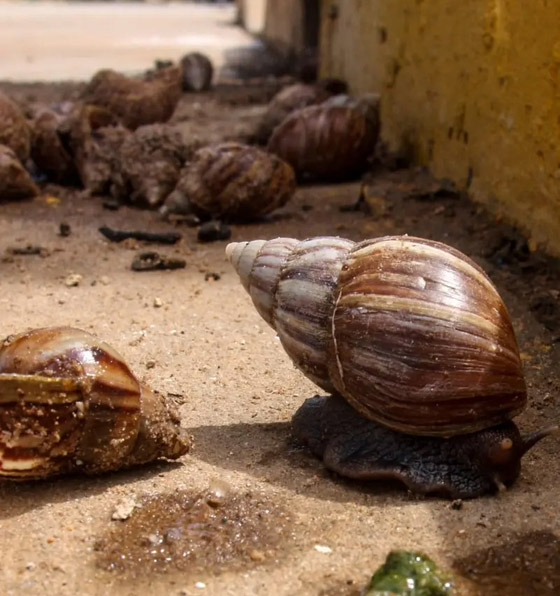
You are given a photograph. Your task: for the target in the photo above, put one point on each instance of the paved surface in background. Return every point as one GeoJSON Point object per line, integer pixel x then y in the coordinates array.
{"type": "Point", "coordinates": [52, 41]}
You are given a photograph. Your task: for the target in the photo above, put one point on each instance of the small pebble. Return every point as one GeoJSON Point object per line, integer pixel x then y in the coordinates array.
{"type": "Point", "coordinates": [457, 504]}
{"type": "Point", "coordinates": [124, 509]}
{"type": "Point", "coordinates": [213, 230]}
{"type": "Point", "coordinates": [104, 280]}
{"type": "Point", "coordinates": [111, 205]}
{"type": "Point", "coordinates": [50, 539]}
{"type": "Point", "coordinates": [200, 585]}
{"type": "Point", "coordinates": [73, 280]}
{"type": "Point", "coordinates": [321, 548]}
{"type": "Point", "coordinates": [64, 230]}
{"type": "Point", "coordinates": [209, 275]}
{"type": "Point", "coordinates": [158, 302]}
{"type": "Point", "coordinates": [257, 555]}
{"type": "Point", "coordinates": [150, 364]}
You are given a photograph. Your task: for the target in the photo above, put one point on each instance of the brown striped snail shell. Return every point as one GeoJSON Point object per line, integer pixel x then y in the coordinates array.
{"type": "Point", "coordinates": [196, 72]}
{"type": "Point", "coordinates": [415, 337]}
{"type": "Point", "coordinates": [14, 130]}
{"type": "Point", "coordinates": [95, 138]}
{"type": "Point", "coordinates": [232, 181]}
{"type": "Point", "coordinates": [366, 103]}
{"type": "Point", "coordinates": [325, 142]}
{"type": "Point", "coordinates": [286, 101]}
{"type": "Point", "coordinates": [69, 403]}
{"type": "Point", "coordinates": [15, 181]}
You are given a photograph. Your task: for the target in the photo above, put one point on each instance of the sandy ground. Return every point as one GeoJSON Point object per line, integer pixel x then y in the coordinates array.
{"type": "Point", "coordinates": [295, 528]}
{"type": "Point", "coordinates": [52, 41]}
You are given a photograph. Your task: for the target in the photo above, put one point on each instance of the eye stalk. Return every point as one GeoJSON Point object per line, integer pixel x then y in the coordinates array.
{"type": "Point", "coordinates": [501, 453]}
{"type": "Point", "coordinates": [504, 456]}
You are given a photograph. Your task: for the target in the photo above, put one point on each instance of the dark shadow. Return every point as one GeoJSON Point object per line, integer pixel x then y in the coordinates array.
{"type": "Point", "coordinates": [519, 565]}
{"type": "Point", "coordinates": [19, 497]}
{"type": "Point", "coordinates": [270, 453]}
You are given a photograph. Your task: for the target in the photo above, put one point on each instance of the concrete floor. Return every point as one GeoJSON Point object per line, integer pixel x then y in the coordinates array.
{"type": "Point", "coordinates": [50, 41]}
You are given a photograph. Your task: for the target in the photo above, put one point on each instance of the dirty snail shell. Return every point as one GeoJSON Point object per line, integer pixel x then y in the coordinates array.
{"type": "Point", "coordinates": [14, 130]}
{"type": "Point", "coordinates": [325, 142]}
{"type": "Point", "coordinates": [69, 403]}
{"type": "Point", "coordinates": [15, 181]}
{"type": "Point", "coordinates": [135, 101]}
{"type": "Point", "coordinates": [232, 181]}
{"type": "Point", "coordinates": [49, 151]}
{"type": "Point", "coordinates": [196, 72]}
{"type": "Point", "coordinates": [410, 332]}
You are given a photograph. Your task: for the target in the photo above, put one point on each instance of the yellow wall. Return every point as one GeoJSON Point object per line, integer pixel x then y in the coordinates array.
{"type": "Point", "coordinates": [471, 89]}
{"type": "Point", "coordinates": [279, 21]}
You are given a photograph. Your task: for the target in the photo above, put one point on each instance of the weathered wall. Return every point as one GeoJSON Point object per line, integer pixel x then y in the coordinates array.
{"type": "Point", "coordinates": [279, 21]}
{"type": "Point", "coordinates": [470, 89]}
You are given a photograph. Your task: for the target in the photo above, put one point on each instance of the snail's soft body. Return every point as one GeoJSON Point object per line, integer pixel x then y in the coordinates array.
{"type": "Point", "coordinates": [69, 403]}
{"type": "Point", "coordinates": [411, 332]}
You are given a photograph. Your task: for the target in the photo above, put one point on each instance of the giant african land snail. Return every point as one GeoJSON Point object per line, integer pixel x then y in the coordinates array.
{"type": "Point", "coordinates": [417, 340]}
{"type": "Point", "coordinates": [69, 403]}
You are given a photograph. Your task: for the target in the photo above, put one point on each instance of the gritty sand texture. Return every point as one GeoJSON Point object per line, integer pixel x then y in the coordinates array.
{"type": "Point", "coordinates": [202, 343]}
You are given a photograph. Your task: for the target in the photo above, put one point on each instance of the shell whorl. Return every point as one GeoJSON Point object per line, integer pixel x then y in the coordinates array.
{"type": "Point", "coordinates": [293, 286]}
{"type": "Point", "coordinates": [410, 331]}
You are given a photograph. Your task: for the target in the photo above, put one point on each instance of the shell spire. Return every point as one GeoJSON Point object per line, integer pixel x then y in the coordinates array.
{"type": "Point", "coordinates": [292, 284]}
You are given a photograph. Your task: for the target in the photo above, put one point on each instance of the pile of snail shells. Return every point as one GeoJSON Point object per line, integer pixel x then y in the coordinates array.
{"type": "Point", "coordinates": [15, 133]}
{"type": "Point", "coordinates": [69, 403]}
{"type": "Point", "coordinates": [149, 164]}
{"type": "Point", "coordinates": [196, 72]}
{"type": "Point", "coordinates": [416, 339]}
{"type": "Point", "coordinates": [325, 142]}
{"type": "Point", "coordinates": [136, 101]}
{"type": "Point", "coordinates": [231, 181]}
{"type": "Point", "coordinates": [15, 181]}
{"type": "Point", "coordinates": [77, 143]}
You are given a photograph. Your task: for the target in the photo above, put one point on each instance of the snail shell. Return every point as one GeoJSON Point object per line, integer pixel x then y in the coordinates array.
{"type": "Point", "coordinates": [69, 402]}
{"type": "Point", "coordinates": [15, 182]}
{"type": "Point", "coordinates": [410, 332]}
{"type": "Point", "coordinates": [232, 181]}
{"type": "Point", "coordinates": [196, 72]}
{"type": "Point", "coordinates": [135, 101]}
{"type": "Point", "coordinates": [325, 142]}
{"type": "Point", "coordinates": [14, 131]}
{"type": "Point", "coordinates": [150, 161]}
{"type": "Point", "coordinates": [48, 150]}
{"type": "Point", "coordinates": [95, 138]}
{"type": "Point", "coordinates": [286, 101]}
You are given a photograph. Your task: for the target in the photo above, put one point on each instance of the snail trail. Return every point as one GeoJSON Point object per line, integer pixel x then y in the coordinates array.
{"type": "Point", "coordinates": [189, 532]}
